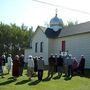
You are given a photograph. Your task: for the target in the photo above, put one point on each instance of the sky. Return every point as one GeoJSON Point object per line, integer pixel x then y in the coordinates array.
{"type": "Point", "coordinates": [33, 13]}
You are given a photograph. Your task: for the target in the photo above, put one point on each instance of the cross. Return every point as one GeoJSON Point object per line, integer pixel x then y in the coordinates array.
{"type": "Point", "coordinates": [56, 11]}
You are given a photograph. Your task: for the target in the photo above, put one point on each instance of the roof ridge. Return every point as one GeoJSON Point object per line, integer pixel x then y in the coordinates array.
{"type": "Point", "coordinates": [77, 24]}
{"type": "Point", "coordinates": [76, 29]}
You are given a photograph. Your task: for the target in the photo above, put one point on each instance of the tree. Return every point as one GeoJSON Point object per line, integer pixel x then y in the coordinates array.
{"type": "Point", "coordinates": [14, 39]}
{"type": "Point", "coordinates": [71, 23]}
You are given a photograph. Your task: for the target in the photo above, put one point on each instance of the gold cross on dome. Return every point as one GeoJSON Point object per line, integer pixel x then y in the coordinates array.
{"type": "Point", "coordinates": [56, 11]}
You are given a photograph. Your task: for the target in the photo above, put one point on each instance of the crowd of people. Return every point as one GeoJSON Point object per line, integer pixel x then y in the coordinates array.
{"type": "Point", "coordinates": [67, 64]}
{"type": "Point", "coordinates": [35, 65]}
{"type": "Point", "coordinates": [15, 65]}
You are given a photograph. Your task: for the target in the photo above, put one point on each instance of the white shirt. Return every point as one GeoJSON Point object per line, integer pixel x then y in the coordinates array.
{"type": "Point", "coordinates": [9, 59]}
{"type": "Point", "coordinates": [30, 62]}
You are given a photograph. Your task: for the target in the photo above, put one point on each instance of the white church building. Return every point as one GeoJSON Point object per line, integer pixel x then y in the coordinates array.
{"type": "Point", "coordinates": [56, 38]}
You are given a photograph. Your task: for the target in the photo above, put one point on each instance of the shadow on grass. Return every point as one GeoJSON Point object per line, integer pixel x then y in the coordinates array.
{"type": "Point", "coordinates": [10, 78]}
{"type": "Point", "coordinates": [22, 82]}
{"type": "Point", "coordinates": [34, 82]}
{"type": "Point", "coordinates": [7, 82]}
{"type": "Point", "coordinates": [67, 78]}
{"type": "Point", "coordinates": [4, 74]}
{"type": "Point", "coordinates": [87, 73]}
{"type": "Point", "coordinates": [46, 79]}
{"type": "Point", "coordinates": [57, 77]}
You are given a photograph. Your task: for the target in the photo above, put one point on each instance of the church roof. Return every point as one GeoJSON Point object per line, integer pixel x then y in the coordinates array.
{"type": "Point", "coordinates": [76, 29]}
{"type": "Point", "coordinates": [50, 33]}
{"type": "Point", "coordinates": [42, 28]}
{"type": "Point", "coordinates": [68, 31]}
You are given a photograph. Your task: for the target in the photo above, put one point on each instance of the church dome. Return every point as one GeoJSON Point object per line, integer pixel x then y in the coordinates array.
{"type": "Point", "coordinates": [56, 23]}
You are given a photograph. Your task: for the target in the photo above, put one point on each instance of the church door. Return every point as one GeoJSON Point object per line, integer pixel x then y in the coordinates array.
{"type": "Point", "coordinates": [63, 46]}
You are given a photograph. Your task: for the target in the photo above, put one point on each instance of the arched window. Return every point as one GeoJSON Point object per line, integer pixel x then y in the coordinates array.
{"type": "Point", "coordinates": [36, 45]}
{"type": "Point", "coordinates": [41, 47]}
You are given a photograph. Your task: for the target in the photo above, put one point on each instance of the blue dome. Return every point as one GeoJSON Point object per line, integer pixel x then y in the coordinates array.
{"type": "Point", "coordinates": [56, 23]}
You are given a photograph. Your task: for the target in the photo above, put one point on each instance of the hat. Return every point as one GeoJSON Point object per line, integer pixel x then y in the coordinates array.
{"type": "Point", "coordinates": [51, 54]}
{"type": "Point", "coordinates": [74, 58]}
{"type": "Point", "coordinates": [30, 56]}
{"type": "Point", "coordinates": [17, 56]}
{"type": "Point", "coordinates": [22, 55]}
{"type": "Point", "coordinates": [70, 55]}
{"type": "Point", "coordinates": [82, 55]}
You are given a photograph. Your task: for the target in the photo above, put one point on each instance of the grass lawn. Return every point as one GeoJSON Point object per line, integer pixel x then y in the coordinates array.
{"type": "Point", "coordinates": [22, 83]}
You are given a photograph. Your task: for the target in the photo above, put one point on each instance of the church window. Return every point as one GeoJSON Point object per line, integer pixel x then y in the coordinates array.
{"type": "Point", "coordinates": [36, 46]}
{"type": "Point", "coordinates": [63, 46]}
{"type": "Point", "coordinates": [41, 47]}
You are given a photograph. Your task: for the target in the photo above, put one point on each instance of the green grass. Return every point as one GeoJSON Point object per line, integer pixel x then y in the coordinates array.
{"type": "Point", "coordinates": [22, 83]}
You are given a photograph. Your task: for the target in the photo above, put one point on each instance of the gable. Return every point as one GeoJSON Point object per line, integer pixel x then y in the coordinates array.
{"type": "Point", "coordinates": [39, 30]}
{"type": "Point", "coordinates": [39, 35]}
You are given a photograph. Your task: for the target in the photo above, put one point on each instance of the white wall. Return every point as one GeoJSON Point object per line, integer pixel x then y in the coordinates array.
{"type": "Point", "coordinates": [40, 37]}
{"type": "Point", "coordinates": [27, 52]}
{"type": "Point", "coordinates": [76, 45]}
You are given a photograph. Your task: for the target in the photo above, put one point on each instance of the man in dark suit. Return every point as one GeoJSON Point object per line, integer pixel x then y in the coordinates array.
{"type": "Point", "coordinates": [82, 65]}
{"type": "Point", "coordinates": [60, 65]}
{"type": "Point", "coordinates": [51, 64]}
{"type": "Point", "coordinates": [40, 64]}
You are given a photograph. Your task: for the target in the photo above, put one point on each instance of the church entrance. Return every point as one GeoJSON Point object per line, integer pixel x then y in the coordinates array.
{"type": "Point", "coordinates": [63, 47]}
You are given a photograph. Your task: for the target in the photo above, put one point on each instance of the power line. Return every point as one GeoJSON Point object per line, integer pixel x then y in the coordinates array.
{"type": "Point", "coordinates": [76, 10]}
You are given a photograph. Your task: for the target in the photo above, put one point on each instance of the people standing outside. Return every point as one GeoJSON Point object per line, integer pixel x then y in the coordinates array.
{"type": "Point", "coordinates": [9, 63]}
{"type": "Point", "coordinates": [82, 65]}
{"type": "Point", "coordinates": [16, 67]}
{"type": "Point", "coordinates": [60, 65]}
{"type": "Point", "coordinates": [55, 66]}
{"type": "Point", "coordinates": [40, 64]}
{"type": "Point", "coordinates": [69, 64]}
{"type": "Point", "coordinates": [35, 64]}
{"type": "Point", "coordinates": [30, 70]}
{"type": "Point", "coordinates": [75, 66]}
{"type": "Point", "coordinates": [51, 63]}
{"type": "Point", "coordinates": [65, 64]}
{"type": "Point", "coordinates": [22, 64]}
{"type": "Point", "coordinates": [3, 62]}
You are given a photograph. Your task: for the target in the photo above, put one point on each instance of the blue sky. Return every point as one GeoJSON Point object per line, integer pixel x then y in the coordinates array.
{"type": "Point", "coordinates": [33, 13]}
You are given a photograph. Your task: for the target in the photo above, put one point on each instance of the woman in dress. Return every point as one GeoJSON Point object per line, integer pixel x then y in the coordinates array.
{"type": "Point", "coordinates": [16, 67]}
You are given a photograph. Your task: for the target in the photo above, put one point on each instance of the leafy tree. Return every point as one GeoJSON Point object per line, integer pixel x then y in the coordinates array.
{"type": "Point", "coordinates": [14, 39]}
{"type": "Point", "coordinates": [71, 23]}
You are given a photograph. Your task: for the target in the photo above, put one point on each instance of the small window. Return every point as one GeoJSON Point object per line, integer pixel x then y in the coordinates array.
{"type": "Point", "coordinates": [36, 45]}
{"type": "Point", "coordinates": [41, 47]}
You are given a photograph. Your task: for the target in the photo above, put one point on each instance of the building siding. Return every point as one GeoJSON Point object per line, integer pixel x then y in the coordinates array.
{"type": "Point", "coordinates": [76, 45]}
{"type": "Point", "coordinates": [27, 52]}
{"type": "Point", "coordinates": [40, 37]}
